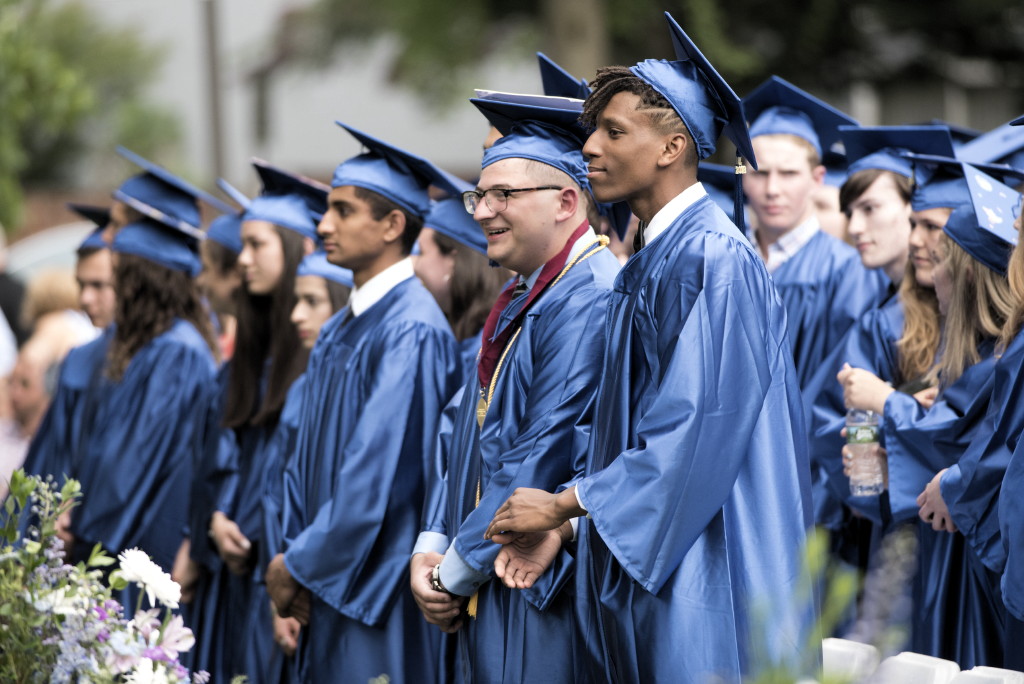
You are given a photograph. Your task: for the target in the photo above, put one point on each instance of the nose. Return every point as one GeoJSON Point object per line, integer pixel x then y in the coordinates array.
{"type": "Point", "coordinates": [483, 211]}
{"type": "Point", "coordinates": [245, 256]}
{"type": "Point", "coordinates": [591, 149]}
{"type": "Point", "coordinates": [855, 226]}
{"type": "Point", "coordinates": [297, 313]}
{"type": "Point", "coordinates": [916, 236]}
{"type": "Point", "coordinates": [771, 184]}
{"type": "Point", "coordinates": [323, 229]}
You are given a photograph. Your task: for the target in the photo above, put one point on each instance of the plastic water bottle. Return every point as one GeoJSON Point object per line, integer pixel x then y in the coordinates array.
{"type": "Point", "coordinates": [867, 466]}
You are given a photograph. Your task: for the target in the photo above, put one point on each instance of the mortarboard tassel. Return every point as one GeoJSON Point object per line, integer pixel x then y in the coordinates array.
{"type": "Point", "coordinates": [741, 169]}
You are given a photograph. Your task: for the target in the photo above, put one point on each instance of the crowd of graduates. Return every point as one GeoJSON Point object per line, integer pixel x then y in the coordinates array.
{"type": "Point", "coordinates": [572, 422]}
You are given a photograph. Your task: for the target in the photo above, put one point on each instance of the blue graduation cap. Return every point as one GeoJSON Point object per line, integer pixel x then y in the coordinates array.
{"type": "Point", "coordinates": [287, 211]}
{"type": "Point", "coordinates": [400, 176]}
{"type": "Point", "coordinates": [159, 194]}
{"type": "Point", "coordinates": [448, 217]}
{"type": "Point", "coordinates": [239, 197]}
{"type": "Point", "coordinates": [984, 225]}
{"type": "Point", "coordinates": [547, 130]}
{"type": "Point", "coordinates": [226, 230]}
{"type": "Point", "coordinates": [884, 147]}
{"type": "Point", "coordinates": [277, 181]}
{"type": "Point", "coordinates": [159, 243]}
{"type": "Point", "coordinates": [961, 134]}
{"type": "Point", "coordinates": [316, 264]}
{"type": "Point", "coordinates": [93, 241]}
{"type": "Point", "coordinates": [779, 107]}
{"type": "Point", "coordinates": [1004, 145]}
{"type": "Point", "coordinates": [701, 97]}
{"type": "Point", "coordinates": [559, 82]}
{"type": "Point", "coordinates": [90, 212]}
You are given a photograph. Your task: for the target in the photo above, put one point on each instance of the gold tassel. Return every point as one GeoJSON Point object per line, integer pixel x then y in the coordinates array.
{"type": "Point", "coordinates": [471, 606]}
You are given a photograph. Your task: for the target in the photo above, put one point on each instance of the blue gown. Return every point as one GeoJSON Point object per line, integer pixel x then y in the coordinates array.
{"type": "Point", "coordinates": [130, 443]}
{"type": "Point", "coordinates": [825, 289]}
{"type": "Point", "coordinates": [538, 418]}
{"type": "Point", "coordinates": [697, 475]}
{"type": "Point", "coordinates": [971, 486]}
{"type": "Point", "coordinates": [870, 345]}
{"type": "Point", "coordinates": [1011, 527]}
{"type": "Point", "coordinates": [957, 613]}
{"type": "Point", "coordinates": [354, 489]}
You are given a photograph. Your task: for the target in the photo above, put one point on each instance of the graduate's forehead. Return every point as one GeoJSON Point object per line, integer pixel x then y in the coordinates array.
{"type": "Point", "coordinates": [505, 173]}
{"type": "Point", "coordinates": [623, 109]}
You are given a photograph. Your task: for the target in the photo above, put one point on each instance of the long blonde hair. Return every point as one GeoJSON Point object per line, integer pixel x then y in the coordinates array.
{"type": "Point", "coordinates": [980, 304]}
{"type": "Point", "coordinates": [922, 331]}
{"type": "Point", "coordinates": [1015, 276]}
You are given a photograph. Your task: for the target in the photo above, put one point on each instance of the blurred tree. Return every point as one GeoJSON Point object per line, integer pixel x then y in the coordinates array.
{"type": "Point", "coordinates": [68, 85]}
{"type": "Point", "coordinates": [819, 44]}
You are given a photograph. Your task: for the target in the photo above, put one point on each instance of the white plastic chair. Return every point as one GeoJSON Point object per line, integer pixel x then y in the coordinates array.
{"type": "Point", "coordinates": [989, 675]}
{"type": "Point", "coordinates": [845, 659]}
{"type": "Point", "coordinates": [907, 667]}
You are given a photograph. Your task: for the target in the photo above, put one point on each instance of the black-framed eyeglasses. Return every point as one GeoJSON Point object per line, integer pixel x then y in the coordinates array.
{"type": "Point", "coordinates": [496, 198]}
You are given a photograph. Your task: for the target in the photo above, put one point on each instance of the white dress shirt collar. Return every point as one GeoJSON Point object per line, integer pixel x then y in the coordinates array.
{"type": "Point", "coordinates": [374, 289]}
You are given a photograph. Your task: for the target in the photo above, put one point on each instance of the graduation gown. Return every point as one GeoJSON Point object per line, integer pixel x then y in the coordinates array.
{"type": "Point", "coordinates": [354, 490]}
{"type": "Point", "coordinates": [972, 485]}
{"type": "Point", "coordinates": [1011, 528]}
{"type": "Point", "coordinates": [956, 608]}
{"type": "Point", "coordinates": [130, 443]}
{"type": "Point", "coordinates": [538, 418]}
{"type": "Point", "coordinates": [697, 476]}
{"type": "Point", "coordinates": [870, 345]}
{"type": "Point", "coordinates": [825, 289]}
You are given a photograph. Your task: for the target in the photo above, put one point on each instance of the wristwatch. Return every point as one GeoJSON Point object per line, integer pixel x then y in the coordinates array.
{"type": "Point", "coordinates": [435, 580]}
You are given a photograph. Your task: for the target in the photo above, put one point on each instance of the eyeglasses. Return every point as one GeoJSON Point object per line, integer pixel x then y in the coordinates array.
{"type": "Point", "coordinates": [496, 198]}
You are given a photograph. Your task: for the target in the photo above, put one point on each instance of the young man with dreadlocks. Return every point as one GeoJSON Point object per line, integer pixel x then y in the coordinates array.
{"type": "Point", "coordinates": [696, 484]}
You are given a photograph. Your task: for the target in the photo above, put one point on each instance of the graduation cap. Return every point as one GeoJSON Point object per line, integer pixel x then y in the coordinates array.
{"type": "Point", "coordinates": [287, 211]}
{"type": "Point", "coordinates": [159, 243]}
{"type": "Point", "coordinates": [961, 134]}
{"type": "Point", "coordinates": [547, 130]}
{"type": "Point", "coordinates": [1004, 144]}
{"type": "Point", "coordinates": [837, 168]}
{"type": "Point", "coordinates": [316, 264]}
{"type": "Point", "coordinates": [939, 181]}
{"type": "Point", "coordinates": [90, 212]}
{"type": "Point", "coordinates": [239, 197]}
{"type": "Point", "coordinates": [391, 172]}
{"type": "Point", "coordinates": [557, 81]}
{"type": "Point", "coordinates": [884, 147]}
{"type": "Point", "coordinates": [277, 181]}
{"type": "Point", "coordinates": [161, 195]}
{"type": "Point", "coordinates": [779, 107]}
{"type": "Point", "coordinates": [93, 241]}
{"type": "Point", "coordinates": [984, 225]}
{"type": "Point", "coordinates": [701, 97]}
{"type": "Point", "coordinates": [448, 217]}
{"type": "Point", "coordinates": [226, 230]}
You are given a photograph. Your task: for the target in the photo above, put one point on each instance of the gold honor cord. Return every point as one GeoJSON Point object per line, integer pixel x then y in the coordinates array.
{"type": "Point", "coordinates": [484, 403]}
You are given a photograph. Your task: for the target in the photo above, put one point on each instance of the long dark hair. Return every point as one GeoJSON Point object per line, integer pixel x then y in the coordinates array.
{"type": "Point", "coordinates": [265, 332]}
{"type": "Point", "coordinates": [474, 287]}
{"type": "Point", "coordinates": [149, 299]}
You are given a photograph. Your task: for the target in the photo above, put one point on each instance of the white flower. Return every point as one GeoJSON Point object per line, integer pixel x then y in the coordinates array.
{"type": "Point", "coordinates": [59, 603]}
{"type": "Point", "coordinates": [136, 566]}
{"type": "Point", "coordinates": [148, 672]}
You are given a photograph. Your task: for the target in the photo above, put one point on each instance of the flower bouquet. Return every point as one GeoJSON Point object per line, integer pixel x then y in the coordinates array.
{"type": "Point", "coordinates": [59, 623]}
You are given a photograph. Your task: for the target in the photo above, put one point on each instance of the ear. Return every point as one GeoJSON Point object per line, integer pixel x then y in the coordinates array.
{"type": "Point", "coordinates": [818, 174]}
{"type": "Point", "coordinates": [307, 246]}
{"type": "Point", "coordinates": [394, 226]}
{"type": "Point", "coordinates": [674, 148]}
{"type": "Point", "coordinates": [568, 201]}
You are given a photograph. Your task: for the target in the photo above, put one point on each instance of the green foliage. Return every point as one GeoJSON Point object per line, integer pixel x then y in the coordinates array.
{"type": "Point", "coordinates": [70, 85]}
{"type": "Point", "coordinates": [818, 44]}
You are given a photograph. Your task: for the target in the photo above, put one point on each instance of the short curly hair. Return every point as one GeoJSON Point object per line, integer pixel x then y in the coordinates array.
{"type": "Point", "coordinates": [610, 81]}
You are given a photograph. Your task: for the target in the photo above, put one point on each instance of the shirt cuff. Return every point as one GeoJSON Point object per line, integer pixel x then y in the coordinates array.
{"type": "Point", "coordinates": [457, 576]}
{"type": "Point", "coordinates": [430, 541]}
{"type": "Point", "coordinates": [575, 523]}
{"type": "Point", "coordinates": [576, 491]}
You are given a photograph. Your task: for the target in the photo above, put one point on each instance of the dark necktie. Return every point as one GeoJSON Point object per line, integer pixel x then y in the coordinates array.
{"type": "Point", "coordinates": [638, 238]}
